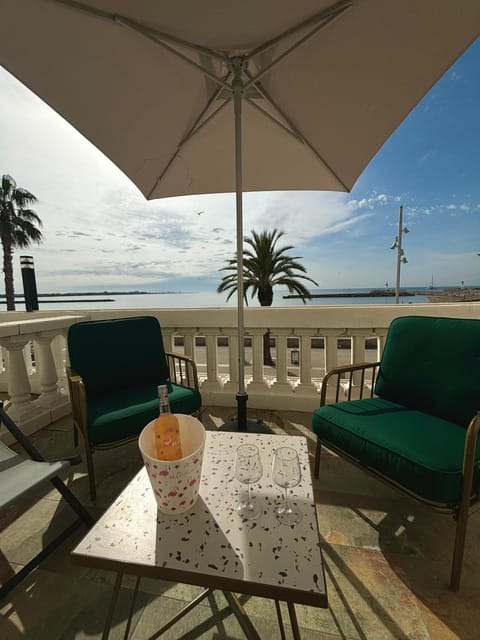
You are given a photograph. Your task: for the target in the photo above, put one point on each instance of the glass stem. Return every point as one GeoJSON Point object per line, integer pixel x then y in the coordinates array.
{"type": "Point", "coordinates": [248, 495]}
{"type": "Point", "coordinates": [287, 505]}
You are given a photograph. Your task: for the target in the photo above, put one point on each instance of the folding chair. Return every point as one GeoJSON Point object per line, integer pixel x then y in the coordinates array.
{"type": "Point", "coordinates": [20, 476]}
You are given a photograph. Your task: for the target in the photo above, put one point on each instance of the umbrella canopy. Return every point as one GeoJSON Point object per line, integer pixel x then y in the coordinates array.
{"type": "Point", "coordinates": [191, 97]}
{"type": "Point", "coordinates": [343, 91]}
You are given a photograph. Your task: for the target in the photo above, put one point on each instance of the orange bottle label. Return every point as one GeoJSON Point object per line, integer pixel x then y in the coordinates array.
{"type": "Point", "coordinates": [167, 437]}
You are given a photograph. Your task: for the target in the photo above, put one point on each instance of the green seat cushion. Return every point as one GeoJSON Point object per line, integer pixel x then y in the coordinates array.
{"type": "Point", "coordinates": [432, 365]}
{"type": "Point", "coordinates": [420, 452]}
{"type": "Point", "coordinates": [117, 416]}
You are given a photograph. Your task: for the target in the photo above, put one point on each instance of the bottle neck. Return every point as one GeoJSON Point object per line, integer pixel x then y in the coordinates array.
{"type": "Point", "coordinates": [164, 404]}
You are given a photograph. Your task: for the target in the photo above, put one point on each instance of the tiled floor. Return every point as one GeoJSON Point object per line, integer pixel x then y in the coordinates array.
{"type": "Point", "coordinates": [387, 563]}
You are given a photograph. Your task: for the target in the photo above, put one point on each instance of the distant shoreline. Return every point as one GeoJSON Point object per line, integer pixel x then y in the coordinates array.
{"type": "Point", "coordinates": [20, 300]}
{"type": "Point", "coordinates": [98, 293]}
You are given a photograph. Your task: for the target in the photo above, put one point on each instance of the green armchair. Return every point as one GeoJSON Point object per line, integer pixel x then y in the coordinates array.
{"type": "Point", "coordinates": [418, 430]}
{"type": "Point", "coordinates": [115, 368]}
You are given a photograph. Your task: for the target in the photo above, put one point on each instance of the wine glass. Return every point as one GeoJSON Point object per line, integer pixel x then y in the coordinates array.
{"type": "Point", "coordinates": [248, 469]}
{"type": "Point", "coordinates": [286, 473]}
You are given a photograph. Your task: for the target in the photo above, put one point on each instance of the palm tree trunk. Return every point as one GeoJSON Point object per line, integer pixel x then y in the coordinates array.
{"type": "Point", "coordinates": [267, 355]}
{"type": "Point", "coordinates": [265, 297]}
{"type": "Point", "coordinates": [8, 273]}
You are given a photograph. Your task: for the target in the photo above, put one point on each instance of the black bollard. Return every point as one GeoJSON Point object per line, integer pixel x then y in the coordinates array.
{"type": "Point", "coordinates": [29, 283]}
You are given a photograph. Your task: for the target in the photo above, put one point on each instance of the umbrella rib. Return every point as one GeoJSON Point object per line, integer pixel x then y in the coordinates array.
{"type": "Point", "coordinates": [336, 8]}
{"type": "Point", "coordinates": [295, 46]}
{"type": "Point", "coordinates": [196, 127]}
{"type": "Point", "coordinates": [294, 131]}
{"type": "Point", "coordinates": [120, 19]}
{"type": "Point", "coordinates": [146, 34]}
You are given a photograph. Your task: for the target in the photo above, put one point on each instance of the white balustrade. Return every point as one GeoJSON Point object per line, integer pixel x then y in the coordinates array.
{"type": "Point", "coordinates": [287, 386]}
{"type": "Point", "coordinates": [27, 377]}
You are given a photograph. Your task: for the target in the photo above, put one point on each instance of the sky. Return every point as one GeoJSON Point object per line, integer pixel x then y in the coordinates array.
{"type": "Point", "coordinates": [101, 234]}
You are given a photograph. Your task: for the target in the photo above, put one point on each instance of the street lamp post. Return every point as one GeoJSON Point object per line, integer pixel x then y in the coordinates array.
{"type": "Point", "coordinates": [397, 244]}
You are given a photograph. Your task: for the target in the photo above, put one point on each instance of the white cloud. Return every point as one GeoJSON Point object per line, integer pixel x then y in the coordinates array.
{"type": "Point", "coordinates": [98, 228]}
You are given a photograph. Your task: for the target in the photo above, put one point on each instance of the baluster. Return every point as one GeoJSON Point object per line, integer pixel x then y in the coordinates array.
{"type": "Point", "coordinates": [305, 386]}
{"type": "Point", "coordinates": [331, 351]}
{"type": "Point", "coordinates": [168, 342]}
{"type": "Point", "coordinates": [212, 382]}
{"type": "Point", "coordinates": [358, 355]}
{"type": "Point", "coordinates": [59, 350]}
{"type": "Point", "coordinates": [380, 344]}
{"type": "Point", "coordinates": [231, 386]}
{"type": "Point", "coordinates": [358, 348]}
{"type": "Point", "coordinates": [281, 384]}
{"type": "Point", "coordinates": [257, 383]}
{"type": "Point", "coordinates": [50, 397]}
{"type": "Point", "coordinates": [20, 406]}
{"type": "Point", "coordinates": [189, 343]}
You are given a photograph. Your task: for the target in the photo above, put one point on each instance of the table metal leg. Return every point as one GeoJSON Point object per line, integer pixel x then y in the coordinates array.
{"type": "Point", "coordinates": [242, 617]}
{"type": "Point", "coordinates": [293, 621]}
{"type": "Point", "coordinates": [111, 609]}
{"type": "Point", "coordinates": [280, 620]}
{"type": "Point", "coordinates": [132, 607]}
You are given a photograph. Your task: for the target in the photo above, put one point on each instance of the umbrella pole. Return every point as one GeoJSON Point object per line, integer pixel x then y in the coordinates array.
{"type": "Point", "coordinates": [242, 396]}
{"type": "Point", "coordinates": [241, 423]}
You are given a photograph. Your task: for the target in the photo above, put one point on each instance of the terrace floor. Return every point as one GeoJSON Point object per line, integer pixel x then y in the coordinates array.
{"type": "Point", "coordinates": [387, 562]}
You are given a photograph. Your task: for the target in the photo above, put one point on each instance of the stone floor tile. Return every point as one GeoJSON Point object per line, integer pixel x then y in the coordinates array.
{"type": "Point", "coordinates": [387, 560]}
{"type": "Point", "coordinates": [52, 607]}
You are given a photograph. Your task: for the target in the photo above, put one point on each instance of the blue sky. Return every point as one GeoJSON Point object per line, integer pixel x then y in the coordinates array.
{"type": "Point", "coordinates": [100, 233]}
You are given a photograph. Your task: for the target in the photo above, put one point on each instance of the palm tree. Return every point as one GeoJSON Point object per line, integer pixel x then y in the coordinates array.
{"type": "Point", "coordinates": [17, 228]}
{"type": "Point", "coordinates": [264, 266]}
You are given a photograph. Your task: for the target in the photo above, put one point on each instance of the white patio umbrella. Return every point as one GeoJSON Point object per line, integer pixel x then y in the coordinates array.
{"type": "Point", "coordinates": [190, 97]}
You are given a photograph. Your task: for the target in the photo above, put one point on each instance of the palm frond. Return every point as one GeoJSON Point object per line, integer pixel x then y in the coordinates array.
{"type": "Point", "coordinates": [266, 265]}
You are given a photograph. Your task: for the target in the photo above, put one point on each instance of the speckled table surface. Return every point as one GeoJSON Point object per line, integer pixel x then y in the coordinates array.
{"type": "Point", "coordinates": [210, 545]}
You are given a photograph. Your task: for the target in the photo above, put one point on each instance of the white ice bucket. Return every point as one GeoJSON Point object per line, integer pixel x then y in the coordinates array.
{"type": "Point", "coordinates": [175, 483]}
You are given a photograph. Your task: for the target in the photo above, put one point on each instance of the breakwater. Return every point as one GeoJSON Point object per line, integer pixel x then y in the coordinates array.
{"type": "Point", "coordinates": [375, 293]}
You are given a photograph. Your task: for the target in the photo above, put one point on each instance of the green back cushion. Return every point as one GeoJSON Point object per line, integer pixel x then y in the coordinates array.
{"type": "Point", "coordinates": [433, 365]}
{"type": "Point", "coordinates": [112, 355]}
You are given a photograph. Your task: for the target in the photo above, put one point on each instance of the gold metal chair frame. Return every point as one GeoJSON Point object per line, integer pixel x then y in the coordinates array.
{"type": "Point", "coordinates": [182, 369]}
{"type": "Point", "coordinates": [470, 500]}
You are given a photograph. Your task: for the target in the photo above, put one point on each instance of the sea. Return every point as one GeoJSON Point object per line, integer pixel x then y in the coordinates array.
{"type": "Point", "coordinates": [209, 299]}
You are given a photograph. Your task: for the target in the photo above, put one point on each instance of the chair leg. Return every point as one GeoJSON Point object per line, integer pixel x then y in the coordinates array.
{"type": "Point", "coordinates": [459, 547]}
{"type": "Point", "coordinates": [317, 457]}
{"type": "Point", "coordinates": [90, 471]}
{"type": "Point", "coordinates": [75, 436]}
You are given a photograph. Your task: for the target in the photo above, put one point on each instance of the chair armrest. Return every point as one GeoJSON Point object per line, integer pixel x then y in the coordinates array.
{"type": "Point", "coordinates": [349, 370]}
{"type": "Point", "coordinates": [73, 460]}
{"type": "Point", "coordinates": [78, 399]}
{"type": "Point", "coordinates": [469, 458]}
{"type": "Point", "coordinates": [183, 370]}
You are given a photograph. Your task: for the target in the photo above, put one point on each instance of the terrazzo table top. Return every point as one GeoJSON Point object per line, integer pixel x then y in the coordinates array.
{"type": "Point", "coordinates": [211, 545]}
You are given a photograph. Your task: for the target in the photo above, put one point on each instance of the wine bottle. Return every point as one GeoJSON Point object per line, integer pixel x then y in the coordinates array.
{"type": "Point", "coordinates": [167, 430]}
